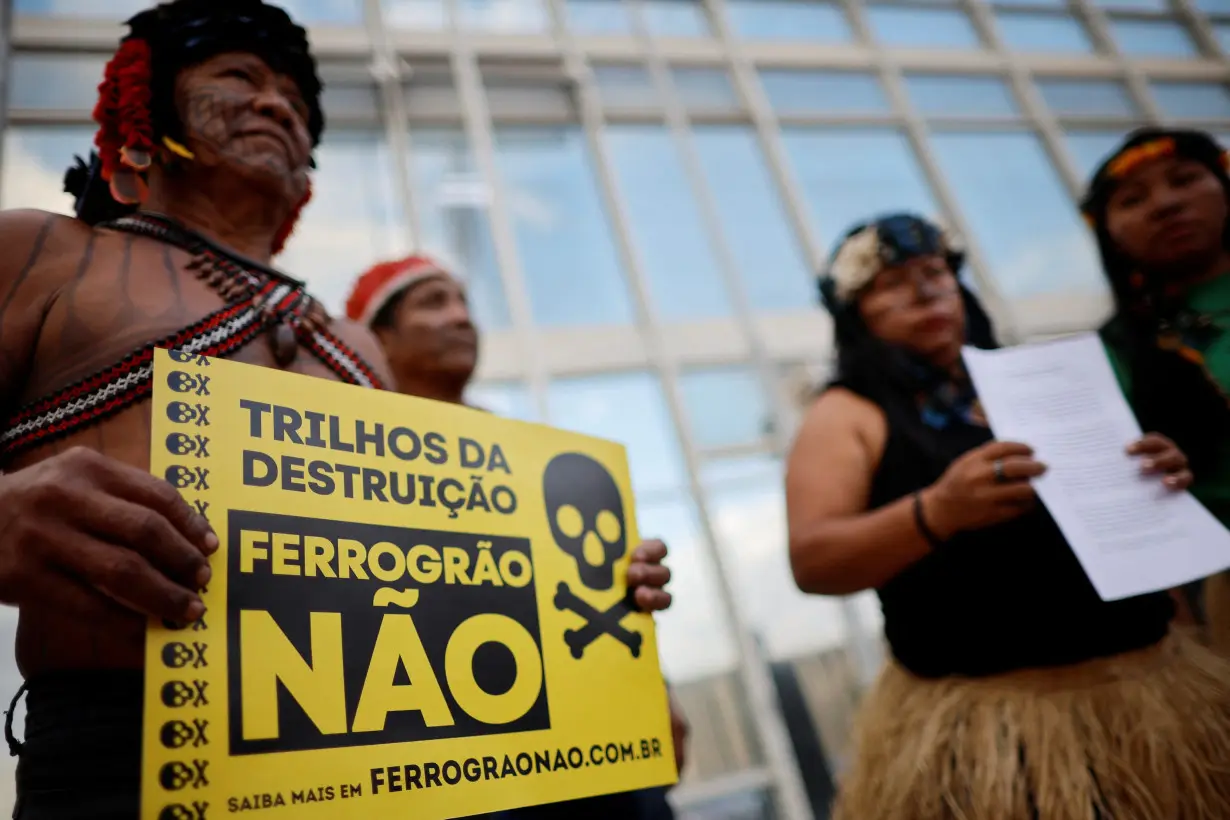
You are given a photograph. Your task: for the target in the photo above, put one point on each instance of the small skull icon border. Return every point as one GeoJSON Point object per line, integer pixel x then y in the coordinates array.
{"type": "Point", "coordinates": [585, 510]}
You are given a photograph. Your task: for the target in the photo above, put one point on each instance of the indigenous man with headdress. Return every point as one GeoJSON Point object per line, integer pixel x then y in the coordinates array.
{"type": "Point", "coordinates": [208, 117]}
{"type": "Point", "coordinates": [1160, 206]}
{"type": "Point", "coordinates": [1014, 692]}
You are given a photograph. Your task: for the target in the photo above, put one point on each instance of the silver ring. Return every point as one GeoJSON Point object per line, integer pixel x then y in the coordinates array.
{"type": "Point", "coordinates": [998, 467]}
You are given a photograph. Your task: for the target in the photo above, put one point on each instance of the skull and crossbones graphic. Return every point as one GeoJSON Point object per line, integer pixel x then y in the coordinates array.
{"type": "Point", "coordinates": [586, 513]}
{"type": "Point", "coordinates": [180, 811]}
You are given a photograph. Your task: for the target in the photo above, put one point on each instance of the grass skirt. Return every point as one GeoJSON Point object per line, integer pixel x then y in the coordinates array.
{"type": "Point", "coordinates": [1139, 736]}
{"type": "Point", "coordinates": [1217, 611]}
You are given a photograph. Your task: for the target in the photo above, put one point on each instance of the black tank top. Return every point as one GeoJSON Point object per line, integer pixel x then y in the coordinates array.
{"type": "Point", "coordinates": [1012, 596]}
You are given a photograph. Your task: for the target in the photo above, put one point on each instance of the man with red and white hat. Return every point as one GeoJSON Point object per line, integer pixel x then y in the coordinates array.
{"type": "Point", "coordinates": [417, 308]}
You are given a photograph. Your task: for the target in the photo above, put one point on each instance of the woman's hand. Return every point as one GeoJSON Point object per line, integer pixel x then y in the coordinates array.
{"type": "Point", "coordinates": [1162, 456]}
{"type": "Point", "coordinates": [983, 487]}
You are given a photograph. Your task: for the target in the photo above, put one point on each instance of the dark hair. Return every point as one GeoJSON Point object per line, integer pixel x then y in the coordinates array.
{"type": "Point", "coordinates": [1171, 394]}
{"type": "Point", "coordinates": [136, 100]}
{"type": "Point", "coordinates": [386, 317]}
{"type": "Point", "coordinates": [886, 375]}
{"type": "Point", "coordinates": [185, 33]}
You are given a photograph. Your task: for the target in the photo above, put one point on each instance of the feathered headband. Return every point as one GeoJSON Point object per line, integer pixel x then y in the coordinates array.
{"type": "Point", "coordinates": [869, 247]}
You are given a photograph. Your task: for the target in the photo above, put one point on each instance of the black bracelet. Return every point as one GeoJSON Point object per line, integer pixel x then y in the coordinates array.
{"type": "Point", "coordinates": [920, 521]}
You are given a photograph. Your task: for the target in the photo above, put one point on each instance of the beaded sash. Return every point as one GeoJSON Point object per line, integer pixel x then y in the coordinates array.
{"type": "Point", "coordinates": [118, 387]}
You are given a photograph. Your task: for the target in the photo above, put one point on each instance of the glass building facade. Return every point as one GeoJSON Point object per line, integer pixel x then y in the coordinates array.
{"type": "Point", "coordinates": [638, 192]}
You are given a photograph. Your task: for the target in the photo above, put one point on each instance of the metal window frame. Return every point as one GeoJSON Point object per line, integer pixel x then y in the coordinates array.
{"type": "Point", "coordinates": [387, 71]}
{"type": "Point", "coordinates": [467, 78]}
{"type": "Point", "coordinates": [754, 673]}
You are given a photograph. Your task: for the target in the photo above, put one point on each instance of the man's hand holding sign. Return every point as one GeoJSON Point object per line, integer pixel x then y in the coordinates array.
{"type": "Point", "coordinates": [415, 606]}
{"type": "Point", "coordinates": [62, 519]}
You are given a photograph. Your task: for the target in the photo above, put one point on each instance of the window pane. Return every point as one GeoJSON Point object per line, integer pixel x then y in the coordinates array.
{"type": "Point", "coordinates": [772, 266]}
{"type": "Point", "coordinates": [1043, 33]}
{"type": "Point", "coordinates": [948, 95]}
{"type": "Point", "coordinates": [625, 86]}
{"type": "Point", "coordinates": [629, 408]}
{"type": "Point", "coordinates": [1213, 6]}
{"type": "Point", "coordinates": [350, 100]}
{"type": "Point", "coordinates": [726, 406]}
{"type": "Point", "coordinates": [755, 804]}
{"type": "Point", "coordinates": [854, 174]}
{"type": "Point", "coordinates": [567, 254]}
{"type": "Point", "coordinates": [692, 641]}
{"type": "Point", "coordinates": [1138, 5]}
{"type": "Point", "coordinates": [1196, 101]}
{"type": "Point", "coordinates": [51, 82]}
{"type": "Point", "coordinates": [749, 516]}
{"type": "Point", "coordinates": [1089, 98]}
{"type": "Point", "coordinates": [842, 92]}
{"type": "Point", "coordinates": [922, 28]}
{"type": "Point", "coordinates": [506, 16]}
{"type": "Point", "coordinates": [1152, 38]}
{"type": "Point", "coordinates": [1023, 218]}
{"type": "Point", "coordinates": [452, 200]}
{"type": "Point", "coordinates": [705, 88]}
{"type": "Point", "coordinates": [509, 399]}
{"type": "Point", "coordinates": [675, 18]}
{"type": "Point", "coordinates": [35, 159]}
{"type": "Point", "coordinates": [324, 12]}
{"type": "Point", "coordinates": [353, 220]}
{"type": "Point", "coordinates": [599, 17]}
{"type": "Point", "coordinates": [789, 20]}
{"type": "Point", "coordinates": [415, 14]}
{"type": "Point", "coordinates": [1090, 148]}
{"type": "Point", "coordinates": [512, 97]}
{"type": "Point", "coordinates": [110, 10]}
{"type": "Point", "coordinates": [684, 278]}
{"type": "Point", "coordinates": [1222, 32]}
{"type": "Point", "coordinates": [430, 93]}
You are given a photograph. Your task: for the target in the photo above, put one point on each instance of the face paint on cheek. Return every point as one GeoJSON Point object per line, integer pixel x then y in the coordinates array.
{"type": "Point", "coordinates": [216, 115]}
{"type": "Point", "coordinates": [211, 116]}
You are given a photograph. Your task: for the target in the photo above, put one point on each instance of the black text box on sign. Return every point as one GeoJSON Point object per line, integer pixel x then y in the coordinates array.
{"type": "Point", "coordinates": [349, 645]}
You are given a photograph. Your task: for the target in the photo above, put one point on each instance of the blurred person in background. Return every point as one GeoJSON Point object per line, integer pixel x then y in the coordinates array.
{"type": "Point", "coordinates": [1159, 206]}
{"type": "Point", "coordinates": [418, 310]}
{"type": "Point", "coordinates": [1013, 691]}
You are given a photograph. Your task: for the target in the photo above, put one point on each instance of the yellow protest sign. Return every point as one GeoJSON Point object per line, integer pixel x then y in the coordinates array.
{"type": "Point", "coordinates": [417, 610]}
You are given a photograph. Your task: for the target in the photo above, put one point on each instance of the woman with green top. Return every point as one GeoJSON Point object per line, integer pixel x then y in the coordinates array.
{"type": "Point", "coordinates": [1160, 206]}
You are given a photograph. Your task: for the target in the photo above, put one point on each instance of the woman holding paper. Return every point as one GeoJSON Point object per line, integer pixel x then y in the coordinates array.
{"type": "Point", "coordinates": [1159, 208]}
{"type": "Point", "coordinates": [1014, 692]}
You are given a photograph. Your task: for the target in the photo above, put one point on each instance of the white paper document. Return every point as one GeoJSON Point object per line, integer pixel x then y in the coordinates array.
{"type": "Point", "coordinates": [1131, 534]}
